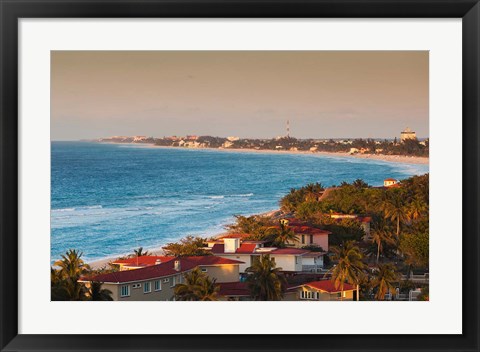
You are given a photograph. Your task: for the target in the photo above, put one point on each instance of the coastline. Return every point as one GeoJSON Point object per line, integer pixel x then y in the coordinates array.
{"type": "Point", "coordinates": [99, 263]}
{"type": "Point", "coordinates": [404, 159]}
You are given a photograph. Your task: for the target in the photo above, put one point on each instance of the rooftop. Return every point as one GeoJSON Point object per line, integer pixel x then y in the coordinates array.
{"type": "Point", "coordinates": [162, 270]}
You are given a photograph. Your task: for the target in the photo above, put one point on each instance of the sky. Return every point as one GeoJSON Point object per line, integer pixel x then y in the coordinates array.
{"type": "Point", "coordinates": [250, 94]}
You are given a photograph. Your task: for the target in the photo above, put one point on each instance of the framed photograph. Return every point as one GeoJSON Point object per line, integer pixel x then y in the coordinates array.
{"type": "Point", "coordinates": [250, 176]}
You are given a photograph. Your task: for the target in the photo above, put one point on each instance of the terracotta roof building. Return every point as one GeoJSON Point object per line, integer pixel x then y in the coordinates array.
{"type": "Point", "coordinates": [156, 282]}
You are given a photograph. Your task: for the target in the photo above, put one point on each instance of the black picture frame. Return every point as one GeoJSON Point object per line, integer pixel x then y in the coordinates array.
{"type": "Point", "coordinates": [12, 11]}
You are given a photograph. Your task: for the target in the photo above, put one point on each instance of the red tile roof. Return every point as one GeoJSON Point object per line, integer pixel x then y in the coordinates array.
{"type": "Point", "coordinates": [234, 289]}
{"type": "Point", "coordinates": [328, 286]}
{"type": "Point", "coordinates": [244, 248]}
{"type": "Point", "coordinates": [162, 270]}
{"type": "Point", "coordinates": [144, 260]}
{"type": "Point", "coordinates": [390, 179]}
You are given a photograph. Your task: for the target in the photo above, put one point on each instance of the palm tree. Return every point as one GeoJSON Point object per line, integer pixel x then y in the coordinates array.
{"type": "Point", "coordinates": [97, 293]}
{"type": "Point", "coordinates": [349, 267]}
{"type": "Point", "coordinates": [381, 236]}
{"type": "Point", "coordinates": [384, 280]}
{"type": "Point", "coordinates": [282, 235]}
{"type": "Point", "coordinates": [197, 287]}
{"type": "Point", "coordinates": [264, 279]}
{"type": "Point", "coordinates": [416, 209]}
{"type": "Point", "coordinates": [71, 267]}
{"type": "Point", "coordinates": [139, 252]}
{"type": "Point", "coordinates": [313, 191]}
{"type": "Point", "coordinates": [359, 183]}
{"type": "Point", "coordinates": [394, 210]}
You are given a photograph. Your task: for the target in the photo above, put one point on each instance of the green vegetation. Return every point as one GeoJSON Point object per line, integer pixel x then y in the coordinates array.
{"type": "Point", "coordinates": [264, 279]}
{"type": "Point", "coordinates": [399, 233]}
{"type": "Point", "coordinates": [188, 246]}
{"type": "Point", "coordinates": [64, 277]}
{"type": "Point", "coordinates": [197, 287]}
{"type": "Point", "coordinates": [256, 226]}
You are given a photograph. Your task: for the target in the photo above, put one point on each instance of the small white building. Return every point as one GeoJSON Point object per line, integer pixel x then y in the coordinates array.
{"type": "Point", "coordinates": [389, 182]}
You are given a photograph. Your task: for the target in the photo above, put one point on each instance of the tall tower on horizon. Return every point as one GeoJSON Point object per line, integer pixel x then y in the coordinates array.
{"type": "Point", "coordinates": [288, 128]}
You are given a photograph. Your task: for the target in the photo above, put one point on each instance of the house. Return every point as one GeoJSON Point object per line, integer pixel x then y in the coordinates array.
{"type": "Point", "coordinates": [323, 290]}
{"type": "Point", "coordinates": [140, 262]}
{"type": "Point", "coordinates": [157, 282]}
{"type": "Point", "coordinates": [307, 235]}
{"type": "Point", "coordinates": [289, 259]}
{"type": "Point", "coordinates": [389, 182]}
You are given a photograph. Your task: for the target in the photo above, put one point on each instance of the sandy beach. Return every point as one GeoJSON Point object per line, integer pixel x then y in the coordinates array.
{"type": "Point", "coordinates": [405, 159]}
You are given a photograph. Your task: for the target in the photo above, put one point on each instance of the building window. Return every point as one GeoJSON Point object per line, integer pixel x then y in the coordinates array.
{"type": "Point", "coordinates": [296, 259]}
{"type": "Point", "coordinates": [303, 239]}
{"type": "Point", "coordinates": [125, 291]}
{"type": "Point", "coordinates": [318, 295]}
{"type": "Point", "coordinates": [204, 270]}
{"type": "Point", "coordinates": [157, 285]}
{"type": "Point", "coordinates": [311, 239]}
{"type": "Point", "coordinates": [147, 287]}
{"type": "Point", "coordinates": [136, 286]}
{"type": "Point", "coordinates": [166, 280]}
{"type": "Point", "coordinates": [173, 282]}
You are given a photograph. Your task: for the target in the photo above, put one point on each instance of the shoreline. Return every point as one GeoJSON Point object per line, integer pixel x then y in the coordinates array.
{"type": "Point", "coordinates": [404, 159]}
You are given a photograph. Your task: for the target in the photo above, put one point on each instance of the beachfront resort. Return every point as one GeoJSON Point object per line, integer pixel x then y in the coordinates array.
{"type": "Point", "coordinates": [347, 242]}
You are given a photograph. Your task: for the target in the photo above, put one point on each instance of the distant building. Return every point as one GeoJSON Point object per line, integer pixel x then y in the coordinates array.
{"type": "Point", "coordinates": [389, 182]}
{"type": "Point", "coordinates": [233, 138]}
{"type": "Point", "coordinates": [407, 134]}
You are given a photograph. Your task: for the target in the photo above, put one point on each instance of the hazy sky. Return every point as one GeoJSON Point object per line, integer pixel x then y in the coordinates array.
{"type": "Point", "coordinates": [324, 94]}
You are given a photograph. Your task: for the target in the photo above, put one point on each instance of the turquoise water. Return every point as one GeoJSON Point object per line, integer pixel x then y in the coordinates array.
{"type": "Point", "coordinates": [108, 199]}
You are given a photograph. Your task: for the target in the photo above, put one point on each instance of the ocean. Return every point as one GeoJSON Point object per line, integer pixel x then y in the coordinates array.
{"type": "Point", "coordinates": [107, 199]}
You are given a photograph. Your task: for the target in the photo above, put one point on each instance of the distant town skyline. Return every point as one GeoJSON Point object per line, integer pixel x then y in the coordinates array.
{"type": "Point", "coordinates": [250, 94]}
